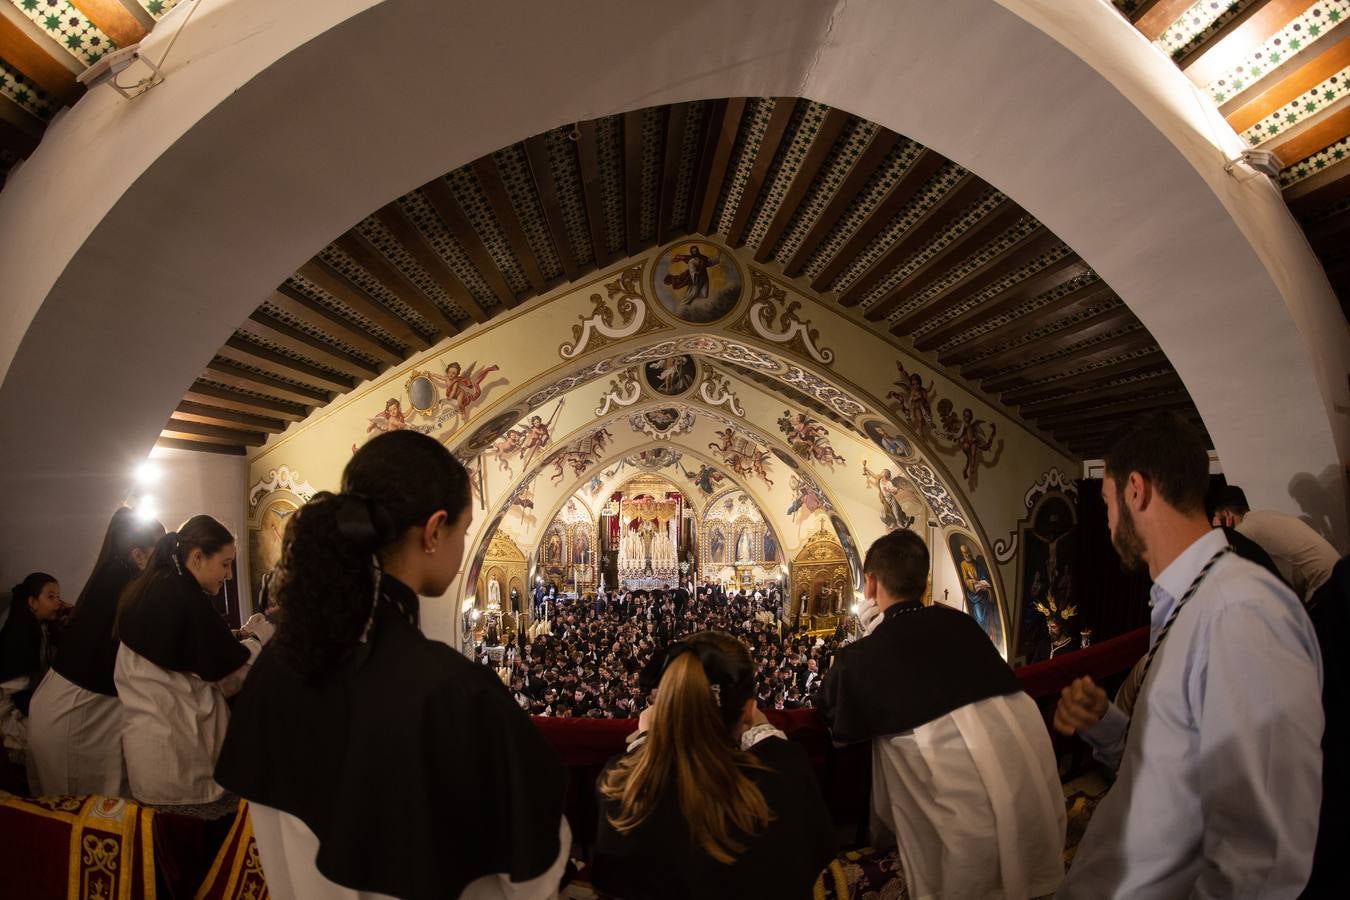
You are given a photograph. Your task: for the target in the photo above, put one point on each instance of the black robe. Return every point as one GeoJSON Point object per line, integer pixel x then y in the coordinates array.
{"type": "Point", "coordinates": [412, 766]}
{"type": "Point", "coordinates": [88, 651]}
{"type": "Point", "coordinates": [25, 650]}
{"type": "Point", "coordinates": [175, 627]}
{"type": "Point", "coordinates": [918, 665]}
{"type": "Point", "coordinates": [657, 860]}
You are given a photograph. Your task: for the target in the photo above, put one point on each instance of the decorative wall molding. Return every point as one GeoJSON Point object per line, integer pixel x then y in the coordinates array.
{"type": "Point", "coordinates": [281, 478]}
{"type": "Point", "coordinates": [681, 423]}
{"type": "Point", "coordinates": [715, 391]}
{"type": "Point", "coordinates": [938, 499]}
{"type": "Point", "coordinates": [1052, 480]}
{"type": "Point", "coordinates": [773, 317]}
{"type": "Point", "coordinates": [624, 390]}
{"type": "Point", "coordinates": [598, 329]}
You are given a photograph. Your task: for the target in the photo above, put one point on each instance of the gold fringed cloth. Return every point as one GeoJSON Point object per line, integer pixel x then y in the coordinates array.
{"type": "Point", "coordinates": [660, 510]}
{"type": "Point", "coordinates": [103, 848]}
{"type": "Point", "coordinates": [237, 872]}
{"type": "Point", "coordinates": [85, 848]}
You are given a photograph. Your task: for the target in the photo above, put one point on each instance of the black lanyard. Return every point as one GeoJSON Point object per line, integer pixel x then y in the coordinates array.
{"type": "Point", "coordinates": [1162, 634]}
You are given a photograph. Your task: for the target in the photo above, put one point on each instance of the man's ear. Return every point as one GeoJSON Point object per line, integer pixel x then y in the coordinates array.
{"type": "Point", "coordinates": [1139, 492]}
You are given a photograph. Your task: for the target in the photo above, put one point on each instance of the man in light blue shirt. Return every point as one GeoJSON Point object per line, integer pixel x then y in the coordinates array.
{"type": "Point", "coordinates": [1220, 767]}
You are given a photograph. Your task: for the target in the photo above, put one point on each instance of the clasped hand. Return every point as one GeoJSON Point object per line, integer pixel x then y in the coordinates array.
{"type": "Point", "coordinates": [1081, 705]}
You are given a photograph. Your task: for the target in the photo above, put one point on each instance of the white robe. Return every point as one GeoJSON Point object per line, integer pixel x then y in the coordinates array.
{"type": "Point", "coordinates": [173, 725]}
{"type": "Point", "coordinates": [975, 802]}
{"type": "Point", "coordinates": [288, 850]}
{"type": "Point", "coordinates": [75, 740]}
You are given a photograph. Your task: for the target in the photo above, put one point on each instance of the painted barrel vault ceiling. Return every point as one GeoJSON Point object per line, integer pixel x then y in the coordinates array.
{"type": "Point", "coordinates": [924, 252]}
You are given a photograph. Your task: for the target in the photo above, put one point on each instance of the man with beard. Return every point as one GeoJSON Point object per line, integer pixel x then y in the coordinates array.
{"type": "Point", "coordinates": [1220, 763]}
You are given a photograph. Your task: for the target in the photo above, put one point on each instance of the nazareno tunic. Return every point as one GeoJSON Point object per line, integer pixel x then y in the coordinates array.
{"type": "Point", "coordinates": [75, 718]}
{"type": "Point", "coordinates": [177, 664]}
{"type": "Point", "coordinates": [963, 774]}
{"type": "Point", "coordinates": [408, 771]}
{"type": "Point", "coordinates": [658, 860]}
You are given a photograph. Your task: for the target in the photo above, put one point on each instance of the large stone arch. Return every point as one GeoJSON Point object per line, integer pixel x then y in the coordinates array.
{"type": "Point", "coordinates": [159, 199]}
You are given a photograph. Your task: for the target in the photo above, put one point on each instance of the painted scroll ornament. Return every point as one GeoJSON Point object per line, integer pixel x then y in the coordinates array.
{"type": "Point", "coordinates": [281, 478]}
{"type": "Point", "coordinates": [624, 390]}
{"type": "Point", "coordinates": [599, 327]}
{"type": "Point", "coordinates": [773, 317]}
{"type": "Point", "coordinates": [715, 392]}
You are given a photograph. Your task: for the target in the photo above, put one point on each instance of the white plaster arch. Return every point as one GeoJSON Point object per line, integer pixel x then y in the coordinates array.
{"type": "Point", "coordinates": [146, 230]}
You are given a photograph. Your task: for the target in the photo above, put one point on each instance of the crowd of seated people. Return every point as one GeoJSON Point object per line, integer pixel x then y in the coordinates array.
{"type": "Point", "coordinates": [588, 657]}
{"type": "Point", "coordinates": [1219, 787]}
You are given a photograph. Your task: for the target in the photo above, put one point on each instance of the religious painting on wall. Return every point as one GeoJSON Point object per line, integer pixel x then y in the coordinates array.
{"type": "Point", "coordinates": [808, 438]}
{"type": "Point", "coordinates": [883, 437]}
{"type": "Point", "coordinates": [697, 281]}
{"type": "Point", "coordinates": [770, 546]}
{"type": "Point", "coordinates": [1049, 608]}
{"type": "Point", "coordinates": [488, 433]}
{"type": "Point", "coordinates": [898, 500]}
{"type": "Point", "coordinates": [742, 456]}
{"type": "Point", "coordinates": [845, 539]}
{"type": "Point", "coordinates": [581, 547]}
{"type": "Point", "coordinates": [972, 436]}
{"type": "Point", "coordinates": [447, 398]}
{"type": "Point", "coordinates": [977, 585]}
{"type": "Point", "coordinates": [717, 545]}
{"type": "Point", "coordinates": [671, 375]}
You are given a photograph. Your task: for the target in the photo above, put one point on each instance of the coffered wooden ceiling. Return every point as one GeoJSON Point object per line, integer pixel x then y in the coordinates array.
{"type": "Point", "coordinates": [911, 244]}
{"type": "Point", "coordinates": [925, 253]}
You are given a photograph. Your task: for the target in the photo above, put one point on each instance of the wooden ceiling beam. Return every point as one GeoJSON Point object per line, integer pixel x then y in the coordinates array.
{"type": "Point", "coordinates": [494, 188]}
{"type": "Point", "coordinates": [826, 136]}
{"type": "Point", "coordinates": [987, 274]}
{"type": "Point", "coordinates": [1233, 25]}
{"type": "Point", "coordinates": [1070, 304]}
{"type": "Point", "coordinates": [935, 222]}
{"type": "Point", "coordinates": [1034, 393]}
{"type": "Point", "coordinates": [1163, 381]}
{"type": "Point", "coordinates": [588, 160]}
{"type": "Point", "coordinates": [367, 256]}
{"type": "Point", "coordinates": [241, 351]}
{"type": "Point", "coordinates": [1327, 57]}
{"type": "Point", "coordinates": [900, 194]}
{"type": "Point", "coordinates": [1330, 234]}
{"type": "Point", "coordinates": [1118, 411]}
{"type": "Point", "coordinates": [1125, 343]}
{"type": "Point", "coordinates": [442, 199]}
{"type": "Point", "coordinates": [113, 19]}
{"type": "Point", "coordinates": [413, 241]}
{"type": "Point", "coordinates": [264, 327]}
{"type": "Point", "coordinates": [1322, 134]}
{"type": "Point", "coordinates": [632, 180]}
{"type": "Point", "coordinates": [33, 61]}
{"type": "Point", "coordinates": [1047, 279]}
{"type": "Point", "coordinates": [335, 284]}
{"type": "Point", "coordinates": [1096, 434]}
{"type": "Point", "coordinates": [183, 430]}
{"type": "Point", "coordinates": [536, 151]}
{"type": "Point", "coordinates": [1220, 55]}
{"type": "Point", "coordinates": [200, 446]}
{"type": "Point", "coordinates": [320, 317]}
{"type": "Point", "coordinates": [211, 395]}
{"type": "Point", "coordinates": [220, 370]}
{"type": "Point", "coordinates": [1153, 17]}
{"type": "Point", "coordinates": [188, 411]}
{"type": "Point", "coordinates": [1086, 330]}
{"type": "Point", "coordinates": [676, 121]}
{"type": "Point", "coordinates": [717, 157]}
{"type": "Point", "coordinates": [772, 139]}
{"type": "Point", "coordinates": [859, 174]}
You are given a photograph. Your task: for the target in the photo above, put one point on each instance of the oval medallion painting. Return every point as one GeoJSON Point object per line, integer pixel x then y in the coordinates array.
{"type": "Point", "coordinates": [671, 375]}
{"type": "Point", "coordinates": [697, 281]}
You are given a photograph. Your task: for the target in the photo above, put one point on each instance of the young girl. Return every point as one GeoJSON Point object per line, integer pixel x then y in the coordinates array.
{"type": "Point", "coordinates": [378, 762]}
{"type": "Point", "coordinates": [27, 644]}
{"type": "Point", "coordinates": [710, 800]}
{"type": "Point", "coordinates": [75, 718]}
{"type": "Point", "coordinates": [176, 665]}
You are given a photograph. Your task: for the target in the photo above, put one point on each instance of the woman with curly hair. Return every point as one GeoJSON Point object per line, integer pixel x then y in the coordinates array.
{"type": "Point", "coordinates": [378, 762]}
{"type": "Point", "coordinates": [710, 800]}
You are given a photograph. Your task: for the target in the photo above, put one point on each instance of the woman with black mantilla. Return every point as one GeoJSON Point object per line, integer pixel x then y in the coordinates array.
{"type": "Point", "coordinates": [27, 645]}
{"type": "Point", "coordinates": [177, 664]}
{"type": "Point", "coordinates": [710, 800]}
{"type": "Point", "coordinates": [75, 719]}
{"type": "Point", "coordinates": [376, 760]}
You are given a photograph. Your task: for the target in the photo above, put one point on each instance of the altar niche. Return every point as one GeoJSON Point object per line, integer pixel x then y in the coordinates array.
{"type": "Point", "coordinates": [649, 539]}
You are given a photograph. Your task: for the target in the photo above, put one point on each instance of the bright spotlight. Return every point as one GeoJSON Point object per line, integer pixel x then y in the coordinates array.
{"type": "Point", "coordinates": [855, 607]}
{"type": "Point", "coordinates": [147, 473]}
{"type": "Point", "coordinates": [146, 508]}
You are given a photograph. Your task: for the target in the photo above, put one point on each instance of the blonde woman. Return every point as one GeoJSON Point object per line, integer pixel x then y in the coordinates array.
{"type": "Point", "coordinates": [710, 800]}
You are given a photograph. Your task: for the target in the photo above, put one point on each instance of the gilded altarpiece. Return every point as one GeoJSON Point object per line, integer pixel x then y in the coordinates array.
{"type": "Point", "coordinates": [820, 572]}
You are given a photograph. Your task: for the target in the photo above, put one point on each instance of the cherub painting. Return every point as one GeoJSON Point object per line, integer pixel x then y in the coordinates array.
{"type": "Point", "coordinates": [462, 389]}
{"type": "Point", "coordinates": [809, 438]}
{"type": "Point", "coordinates": [391, 419]}
{"type": "Point", "coordinates": [706, 478]}
{"type": "Point", "coordinates": [894, 493]}
{"type": "Point", "coordinates": [914, 400]}
{"type": "Point", "coordinates": [807, 498]}
{"type": "Point", "coordinates": [970, 436]}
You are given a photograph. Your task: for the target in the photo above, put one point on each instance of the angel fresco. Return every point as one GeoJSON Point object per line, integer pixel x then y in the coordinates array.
{"type": "Point", "coordinates": [807, 498]}
{"type": "Point", "coordinates": [809, 438]}
{"type": "Point", "coordinates": [391, 419]}
{"type": "Point", "coordinates": [706, 479]}
{"type": "Point", "coordinates": [889, 489]}
{"type": "Point", "coordinates": [462, 388]}
{"type": "Point", "coordinates": [915, 400]}
{"type": "Point", "coordinates": [970, 437]}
